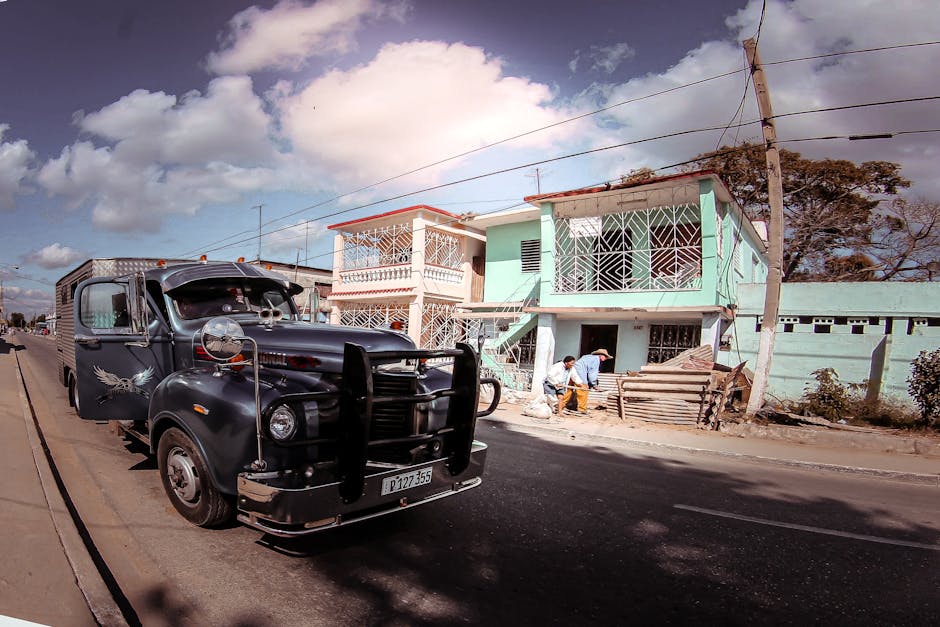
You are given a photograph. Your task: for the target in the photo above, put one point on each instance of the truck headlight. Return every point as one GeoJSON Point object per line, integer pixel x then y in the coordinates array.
{"type": "Point", "coordinates": [283, 424]}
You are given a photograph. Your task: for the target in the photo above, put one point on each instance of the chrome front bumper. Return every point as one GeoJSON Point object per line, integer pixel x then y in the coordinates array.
{"type": "Point", "coordinates": [287, 506]}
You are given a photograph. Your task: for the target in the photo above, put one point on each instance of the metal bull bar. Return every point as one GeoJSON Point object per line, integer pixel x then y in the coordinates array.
{"type": "Point", "coordinates": [357, 399]}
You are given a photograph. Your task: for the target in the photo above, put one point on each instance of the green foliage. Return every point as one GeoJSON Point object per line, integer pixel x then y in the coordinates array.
{"type": "Point", "coordinates": [831, 398]}
{"type": "Point", "coordinates": [924, 385]}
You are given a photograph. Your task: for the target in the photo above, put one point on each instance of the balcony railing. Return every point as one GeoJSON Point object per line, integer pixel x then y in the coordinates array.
{"type": "Point", "coordinates": [443, 275]}
{"type": "Point", "coordinates": [646, 250]}
{"type": "Point", "coordinates": [382, 273]}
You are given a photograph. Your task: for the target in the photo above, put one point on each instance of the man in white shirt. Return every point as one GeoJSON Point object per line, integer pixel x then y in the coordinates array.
{"type": "Point", "coordinates": [557, 378]}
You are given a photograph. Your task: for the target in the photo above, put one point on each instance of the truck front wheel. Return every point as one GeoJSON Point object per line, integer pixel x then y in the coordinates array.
{"type": "Point", "coordinates": [187, 482]}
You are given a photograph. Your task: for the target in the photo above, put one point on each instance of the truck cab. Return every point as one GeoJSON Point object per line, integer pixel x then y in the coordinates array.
{"type": "Point", "coordinates": [294, 427]}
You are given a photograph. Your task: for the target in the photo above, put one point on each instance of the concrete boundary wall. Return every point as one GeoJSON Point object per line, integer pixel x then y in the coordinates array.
{"type": "Point", "coordinates": [865, 331]}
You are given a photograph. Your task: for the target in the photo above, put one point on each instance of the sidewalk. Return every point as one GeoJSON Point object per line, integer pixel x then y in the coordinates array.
{"type": "Point", "coordinates": [43, 556]}
{"type": "Point", "coordinates": [847, 452]}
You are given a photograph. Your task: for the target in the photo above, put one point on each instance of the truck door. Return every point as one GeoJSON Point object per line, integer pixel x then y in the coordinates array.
{"type": "Point", "coordinates": [118, 362]}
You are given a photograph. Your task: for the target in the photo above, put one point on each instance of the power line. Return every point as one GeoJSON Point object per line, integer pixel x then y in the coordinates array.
{"type": "Point", "coordinates": [671, 166]}
{"type": "Point", "coordinates": [559, 123]}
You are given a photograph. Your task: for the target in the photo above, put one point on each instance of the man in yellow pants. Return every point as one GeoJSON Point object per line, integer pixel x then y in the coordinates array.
{"type": "Point", "coordinates": [584, 377]}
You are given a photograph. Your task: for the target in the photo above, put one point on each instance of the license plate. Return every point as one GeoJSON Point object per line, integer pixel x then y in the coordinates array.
{"type": "Point", "coordinates": [406, 480]}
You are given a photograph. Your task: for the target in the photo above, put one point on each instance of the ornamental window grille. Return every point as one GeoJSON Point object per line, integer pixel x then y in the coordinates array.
{"type": "Point", "coordinates": [668, 340]}
{"type": "Point", "coordinates": [372, 316]}
{"type": "Point", "coordinates": [384, 246]}
{"type": "Point", "coordinates": [442, 249]}
{"type": "Point", "coordinates": [439, 328]}
{"type": "Point", "coordinates": [649, 249]}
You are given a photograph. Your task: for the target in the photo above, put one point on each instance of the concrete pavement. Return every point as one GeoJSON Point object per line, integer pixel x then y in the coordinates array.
{"type": "Point", "coordinates": [49, 576]}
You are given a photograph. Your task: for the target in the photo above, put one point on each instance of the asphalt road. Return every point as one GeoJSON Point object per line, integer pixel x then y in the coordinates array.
{"type": "Point", "coordinates": [559, 533]}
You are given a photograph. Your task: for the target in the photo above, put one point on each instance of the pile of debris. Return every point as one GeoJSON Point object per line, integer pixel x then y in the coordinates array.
{"type": "Point", "coordinates": [688, 389]}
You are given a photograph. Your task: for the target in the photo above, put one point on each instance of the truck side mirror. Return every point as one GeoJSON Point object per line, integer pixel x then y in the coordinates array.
{"type": "Point", "coordinates": [222, 338]}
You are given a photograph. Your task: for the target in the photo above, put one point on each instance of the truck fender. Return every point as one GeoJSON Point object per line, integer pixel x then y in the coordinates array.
{"type": "Point", "coordinates": [217, 413]}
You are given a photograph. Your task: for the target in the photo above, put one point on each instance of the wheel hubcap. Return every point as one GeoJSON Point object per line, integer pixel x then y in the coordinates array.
{"type": "Point", "coordinates": [183, 477]}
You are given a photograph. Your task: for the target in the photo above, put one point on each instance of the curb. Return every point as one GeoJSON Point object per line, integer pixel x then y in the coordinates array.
{"type": "Point", "coordinates": [932, 480]}
{"type": "Point", "coordinates": [97, 595]}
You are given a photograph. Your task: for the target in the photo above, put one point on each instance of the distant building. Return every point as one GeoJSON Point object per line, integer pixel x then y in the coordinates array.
{"type": "Point", "coordinates": [317, 284]}
{"type": "Point", "coordinates": [410, 268]}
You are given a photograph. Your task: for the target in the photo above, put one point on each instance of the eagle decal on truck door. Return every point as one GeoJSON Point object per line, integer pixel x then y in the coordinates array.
{"type": "Point", "coordinates": [119, 385]}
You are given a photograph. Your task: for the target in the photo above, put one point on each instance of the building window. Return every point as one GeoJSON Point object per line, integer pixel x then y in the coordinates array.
{"type": "Point", "coordinates": [668, 340]}
{"type": "Point", "coordinates": [531, 255]}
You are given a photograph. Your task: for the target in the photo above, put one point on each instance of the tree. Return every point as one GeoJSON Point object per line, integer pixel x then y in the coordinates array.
{"type": "Point", "coordinates": [831, 216]}
{"type": "Point", "coordinates": [906, 240]}
{"type": "Point", "coordinates": [17, 320]}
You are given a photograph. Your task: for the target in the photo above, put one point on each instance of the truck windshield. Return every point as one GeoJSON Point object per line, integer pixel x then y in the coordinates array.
{"type": "Point", "coordinates": [204, 299]}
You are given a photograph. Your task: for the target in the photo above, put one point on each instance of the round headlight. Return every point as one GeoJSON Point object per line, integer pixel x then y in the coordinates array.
{"type": "Point", "coordinates": [283, 423]}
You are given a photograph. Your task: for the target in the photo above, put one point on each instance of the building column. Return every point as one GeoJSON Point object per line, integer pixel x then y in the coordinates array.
{"type": "Point", "coordinates": [711, 331]}
{"type": "Point", "coordinates": [544, 349]}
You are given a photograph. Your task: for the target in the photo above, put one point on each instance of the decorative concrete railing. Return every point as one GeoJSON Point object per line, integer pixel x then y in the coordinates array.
{"type": "Point", "coordinates": [443, 275]}
{"type": "Point", "coordinates": [382, 273]}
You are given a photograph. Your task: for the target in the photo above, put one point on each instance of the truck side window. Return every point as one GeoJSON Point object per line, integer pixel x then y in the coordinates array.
{"type": "Point", "coordinates": [104, 306]}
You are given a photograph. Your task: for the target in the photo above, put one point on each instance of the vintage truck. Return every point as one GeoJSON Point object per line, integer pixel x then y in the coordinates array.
{"type": "Point", "coordinates": [292, 426]}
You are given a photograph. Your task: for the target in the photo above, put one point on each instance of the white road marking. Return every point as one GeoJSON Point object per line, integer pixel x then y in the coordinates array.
{"type": "Point", "coordinates": [828, 532]}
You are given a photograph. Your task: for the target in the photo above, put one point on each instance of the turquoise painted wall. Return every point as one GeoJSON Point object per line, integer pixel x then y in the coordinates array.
{"type": "Point", "coordinates": [799, 352]}
{"type": "Point", "coordinates": [505, 281]}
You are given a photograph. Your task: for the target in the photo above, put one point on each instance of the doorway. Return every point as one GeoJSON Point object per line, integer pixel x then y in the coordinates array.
{"type": "Point", "coordinates": [594, 336]}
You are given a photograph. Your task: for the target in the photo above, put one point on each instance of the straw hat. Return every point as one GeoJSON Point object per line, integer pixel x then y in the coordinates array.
{"type": "Point", "coordinates": [603, 352]}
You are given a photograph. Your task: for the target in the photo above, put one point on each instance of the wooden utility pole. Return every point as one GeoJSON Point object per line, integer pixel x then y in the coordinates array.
{"type": "Point", "coordinates": [768, 327]}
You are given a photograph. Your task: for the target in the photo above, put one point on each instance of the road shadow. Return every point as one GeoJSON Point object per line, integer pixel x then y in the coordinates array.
{"type": "Point", "coordinates": [581, 535]}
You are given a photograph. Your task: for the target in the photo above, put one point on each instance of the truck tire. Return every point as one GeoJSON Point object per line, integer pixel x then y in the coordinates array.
{"type": "Point", "coordinates": [187, 482]}
{"type": "Point", "coordinates": [73, 394]}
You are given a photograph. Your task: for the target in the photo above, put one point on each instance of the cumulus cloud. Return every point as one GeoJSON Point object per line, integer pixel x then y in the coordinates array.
{"type": "Point", "coordinates": [26, 301]}
{"type": "Point", "coordinates": [286, 35]}
{"type": "Point", "coordinates": [413, 104]}
{"type": "Point", "coordinates": [164, 155]}
{"type": "Point", "coordinates": [54, 256]}
{"type": "Point", "coordinates": [791, 30]}
{"type": "Point", "coordinates": [604, 59]}
{"type": "Point", "coordinates": [15, 160]}
{"type": "Point", "coordinates": [293, 238]}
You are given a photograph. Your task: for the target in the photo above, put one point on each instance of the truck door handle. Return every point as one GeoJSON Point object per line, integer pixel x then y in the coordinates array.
{"type": "Point", "coordinates": [88, 340]}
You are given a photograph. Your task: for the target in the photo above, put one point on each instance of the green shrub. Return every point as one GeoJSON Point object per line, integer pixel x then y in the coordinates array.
{"type": "Point", "coordinates": [831, 398]}
{"type": "Point", "coordinates": [924, 385]}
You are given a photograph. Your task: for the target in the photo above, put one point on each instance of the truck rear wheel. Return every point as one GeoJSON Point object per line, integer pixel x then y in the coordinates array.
{"type": "Point", "coordinates": [73, 394]}
{"type": "Point", "coordinates": [187, 482]}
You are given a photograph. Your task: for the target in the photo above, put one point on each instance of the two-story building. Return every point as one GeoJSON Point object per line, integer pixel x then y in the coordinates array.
{"type": "Point", "coordinates": [410, 267]}
{"type": "Point", "coordinates": [644, 269]}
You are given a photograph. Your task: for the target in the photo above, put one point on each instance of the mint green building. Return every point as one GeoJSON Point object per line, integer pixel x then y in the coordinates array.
{"type": "Point", "coordinates": [644, 269]}
{"type": "Point", "coordinates": [865, 331]}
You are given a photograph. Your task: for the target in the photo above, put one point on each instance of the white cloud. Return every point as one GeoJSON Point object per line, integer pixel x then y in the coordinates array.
{"type": "Point", "coordinates": [15, 159]}
{"type": "Point", "coordinates": [167, 156]}
{"type": "Point", "coordinates": [286, 35]}
{"type": "Point", "coordinates": [54, 256]}
{"type": "Point", "coordinates": [791, 30]}
{"type": "Point", "coordinates": [604, 59]}
{"type": "Point", "coordinates": [291, 239]}
{"type": "Point", "coordinates": [414, 104]}
{"type": "Point", "coordinates": [26, 301]}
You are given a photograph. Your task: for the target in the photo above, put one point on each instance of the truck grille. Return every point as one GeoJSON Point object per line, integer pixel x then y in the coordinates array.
{"type": "Point", "coordinates": [394, 420]}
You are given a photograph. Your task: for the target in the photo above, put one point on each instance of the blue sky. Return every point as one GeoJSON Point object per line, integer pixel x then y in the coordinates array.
{"type": "Point", "coordinates": [131, 128]}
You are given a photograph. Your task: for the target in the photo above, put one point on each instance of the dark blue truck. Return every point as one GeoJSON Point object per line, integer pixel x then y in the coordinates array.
{"type": "Point", "coordinates": [293, 427]}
